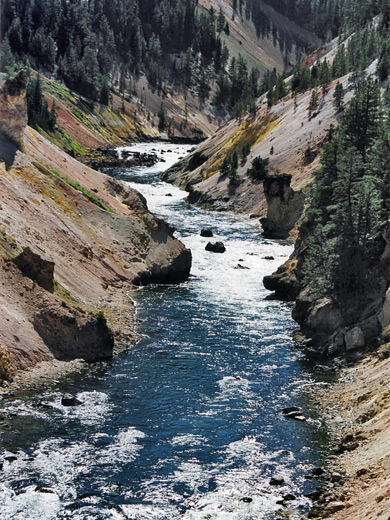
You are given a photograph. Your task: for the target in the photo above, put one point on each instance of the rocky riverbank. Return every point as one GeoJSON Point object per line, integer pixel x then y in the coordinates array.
{"type": "Point", "coordinates": [356, 409]}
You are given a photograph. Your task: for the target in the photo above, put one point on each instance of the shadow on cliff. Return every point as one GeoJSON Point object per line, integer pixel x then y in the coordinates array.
{"type": "Point", "coordinates": [8, 151]}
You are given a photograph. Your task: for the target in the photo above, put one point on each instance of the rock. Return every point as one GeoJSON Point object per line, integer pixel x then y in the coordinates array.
{"type": "Point", "coordinates": [70, 335]}
{"type": "Point", "coordinates": [354, 339]}
{"type": "Point", "coordinates": [319, 319]}
{"type": "Point", "coordinates": [384, 351]}
{"type": "Point", "coordinates": [47, 490]}
{"type": "Point", "coordinates": [289, 497]}
{"type": "Point", "coordinates": [70, 400]}
{"type": "Point", "coordinates": [36, 268]}
{"type": "Point", "coordinates": [268, 258]}
{"type": "Point", "coordinates": [10, 458]}
{"type": "Point", "coordinates": [300, 418]}
{"type": "Point", "coordinates": [284, 281]}
{"type": "Point", "coordinates": [246, 500]}
{"type": "Point", "coordinates": [168, 194]}
{"type": "Point", "coordinates": [361, 472]}
{"type": "Point", "coordinates": [285, 206]}
{"type": "Point", "coordinates": [277, 480]}
{"type": "Point", "coordinates": [314, 495]}
{"type": "Point", "coordinates": [334, 507]}
{"type": "Point", "coordinates": [290, 409]}
{"type": "Point", "coordinates": [206, 233]}
{"type": "Point", "coordinates": [216, 247]}
{"type": "Point", "coordinates": [240, 266]}
{"type": "Point", "coordinates": [317, 472]}
{"type": "Point", "coordinates": [335, 477]}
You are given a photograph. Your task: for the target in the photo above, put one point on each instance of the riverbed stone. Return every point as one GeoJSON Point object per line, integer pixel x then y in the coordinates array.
{"type": "Point", "coordinates": [334, 507]}
{"type": "Point", "coordinates": [290, 409]}
{"type": "Point", "coordinates": [215, 247]}
{"type": "Point", "coordinates": [277, 480]}
{"type": "Point", "coordinates": [70, 400]}
{"type": "Point", "coordinates": [206, 232]}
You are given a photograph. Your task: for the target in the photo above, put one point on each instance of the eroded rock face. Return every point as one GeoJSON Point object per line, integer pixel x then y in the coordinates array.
{"type": "Point", "coordinates": [70, 335]}
{"type": "Point", "coordinates": [36, 268]}
{"type": "Point", "coordinates": [285, 206]}
{"type": "Point", "coordinates": [13, 107]}
{"type": "Point", "coordinates": [284, 282]}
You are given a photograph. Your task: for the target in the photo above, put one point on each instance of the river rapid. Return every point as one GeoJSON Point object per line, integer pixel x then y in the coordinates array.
{"type": "Point", "coordinates": [187, 424]}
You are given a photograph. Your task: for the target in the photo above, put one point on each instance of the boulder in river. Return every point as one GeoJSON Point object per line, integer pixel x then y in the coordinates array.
{"type": "Point", "coordinates": [216, 247]}
{"type": "Point", "coordinates": [290, 409]}
{"type": "Point", "coordinates": [277, 480]}
{"type": "Point", "coordinates": [206, 233]}
{"type": "Point", "coordinates": [70, 400]}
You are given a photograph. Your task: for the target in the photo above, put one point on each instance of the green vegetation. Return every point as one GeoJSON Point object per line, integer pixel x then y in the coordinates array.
{"type": "Point", "coordinates": [351, 201]}
{"type": "Point", "coordinates": [38, 112]}
{"type": "Point", "coordinates": [6, 371]}
{"type": "Point", "coordinates": [246, 148]}
{"type": "Point", "coordinates": [86, 193]}
{"type": "Point", "coordinates": [259, 168]}
{"type": "Point", "coordinates": [91, 46]}
{"type": "Point", "coordinates": [229, 167]}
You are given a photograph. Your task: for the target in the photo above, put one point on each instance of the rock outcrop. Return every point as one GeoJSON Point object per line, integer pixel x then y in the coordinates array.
{"type": "Point", "coordinates": [284, 206]}
{"type": "Point", "coordinates": [71, 334]}
{"type": "Point", "coordinates": [336, 329]}
{"type": "Point", "coordinates": [36, 268]}
{"type": "Point", "coordinates": [13, 110]}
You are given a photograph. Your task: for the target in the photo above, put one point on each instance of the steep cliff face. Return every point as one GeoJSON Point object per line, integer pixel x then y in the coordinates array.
{"type": "Point", "coordinates": [73, 241]}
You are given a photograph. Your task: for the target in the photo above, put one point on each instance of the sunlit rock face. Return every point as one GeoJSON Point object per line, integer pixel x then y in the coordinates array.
{"type": "Point", "coordinates": [13, 108]}
{"type": "Point", "coordinates": [285, 206]}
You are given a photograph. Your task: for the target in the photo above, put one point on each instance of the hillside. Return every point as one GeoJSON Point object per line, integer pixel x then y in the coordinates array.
{"type": "Point", "coordinates": [66, 298]}
{"type": "Point", "coordinates": [282, 134]}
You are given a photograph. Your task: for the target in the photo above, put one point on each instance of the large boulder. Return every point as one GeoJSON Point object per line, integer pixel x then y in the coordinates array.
{"type": "Point", "coordinates": [354, 339]}
{"type": "Point", "coordinates": [284, 282]}
{"type": "Point", "coordinates": [215, 247]}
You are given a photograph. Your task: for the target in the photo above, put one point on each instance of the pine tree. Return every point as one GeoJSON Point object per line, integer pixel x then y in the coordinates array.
{"type": "Point", "coordinates": [339, 97]}
{"type": "Point", "coordinates": [161, 118]}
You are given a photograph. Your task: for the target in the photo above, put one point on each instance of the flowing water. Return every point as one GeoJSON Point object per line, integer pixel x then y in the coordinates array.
{"type": "Point", "coordinates": [187, 424]}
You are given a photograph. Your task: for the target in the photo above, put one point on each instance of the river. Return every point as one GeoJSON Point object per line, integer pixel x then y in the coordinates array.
{"type": "Point", "coordinates": [186, 425]}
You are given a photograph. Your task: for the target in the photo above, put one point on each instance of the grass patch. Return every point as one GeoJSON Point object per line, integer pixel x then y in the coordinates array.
{"type": "Point", "coordinates": [87, 194]}
{"type": "Point", "coordinates": [63, 292]}
{"type": "Point", "coordinates": [82, 117]}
